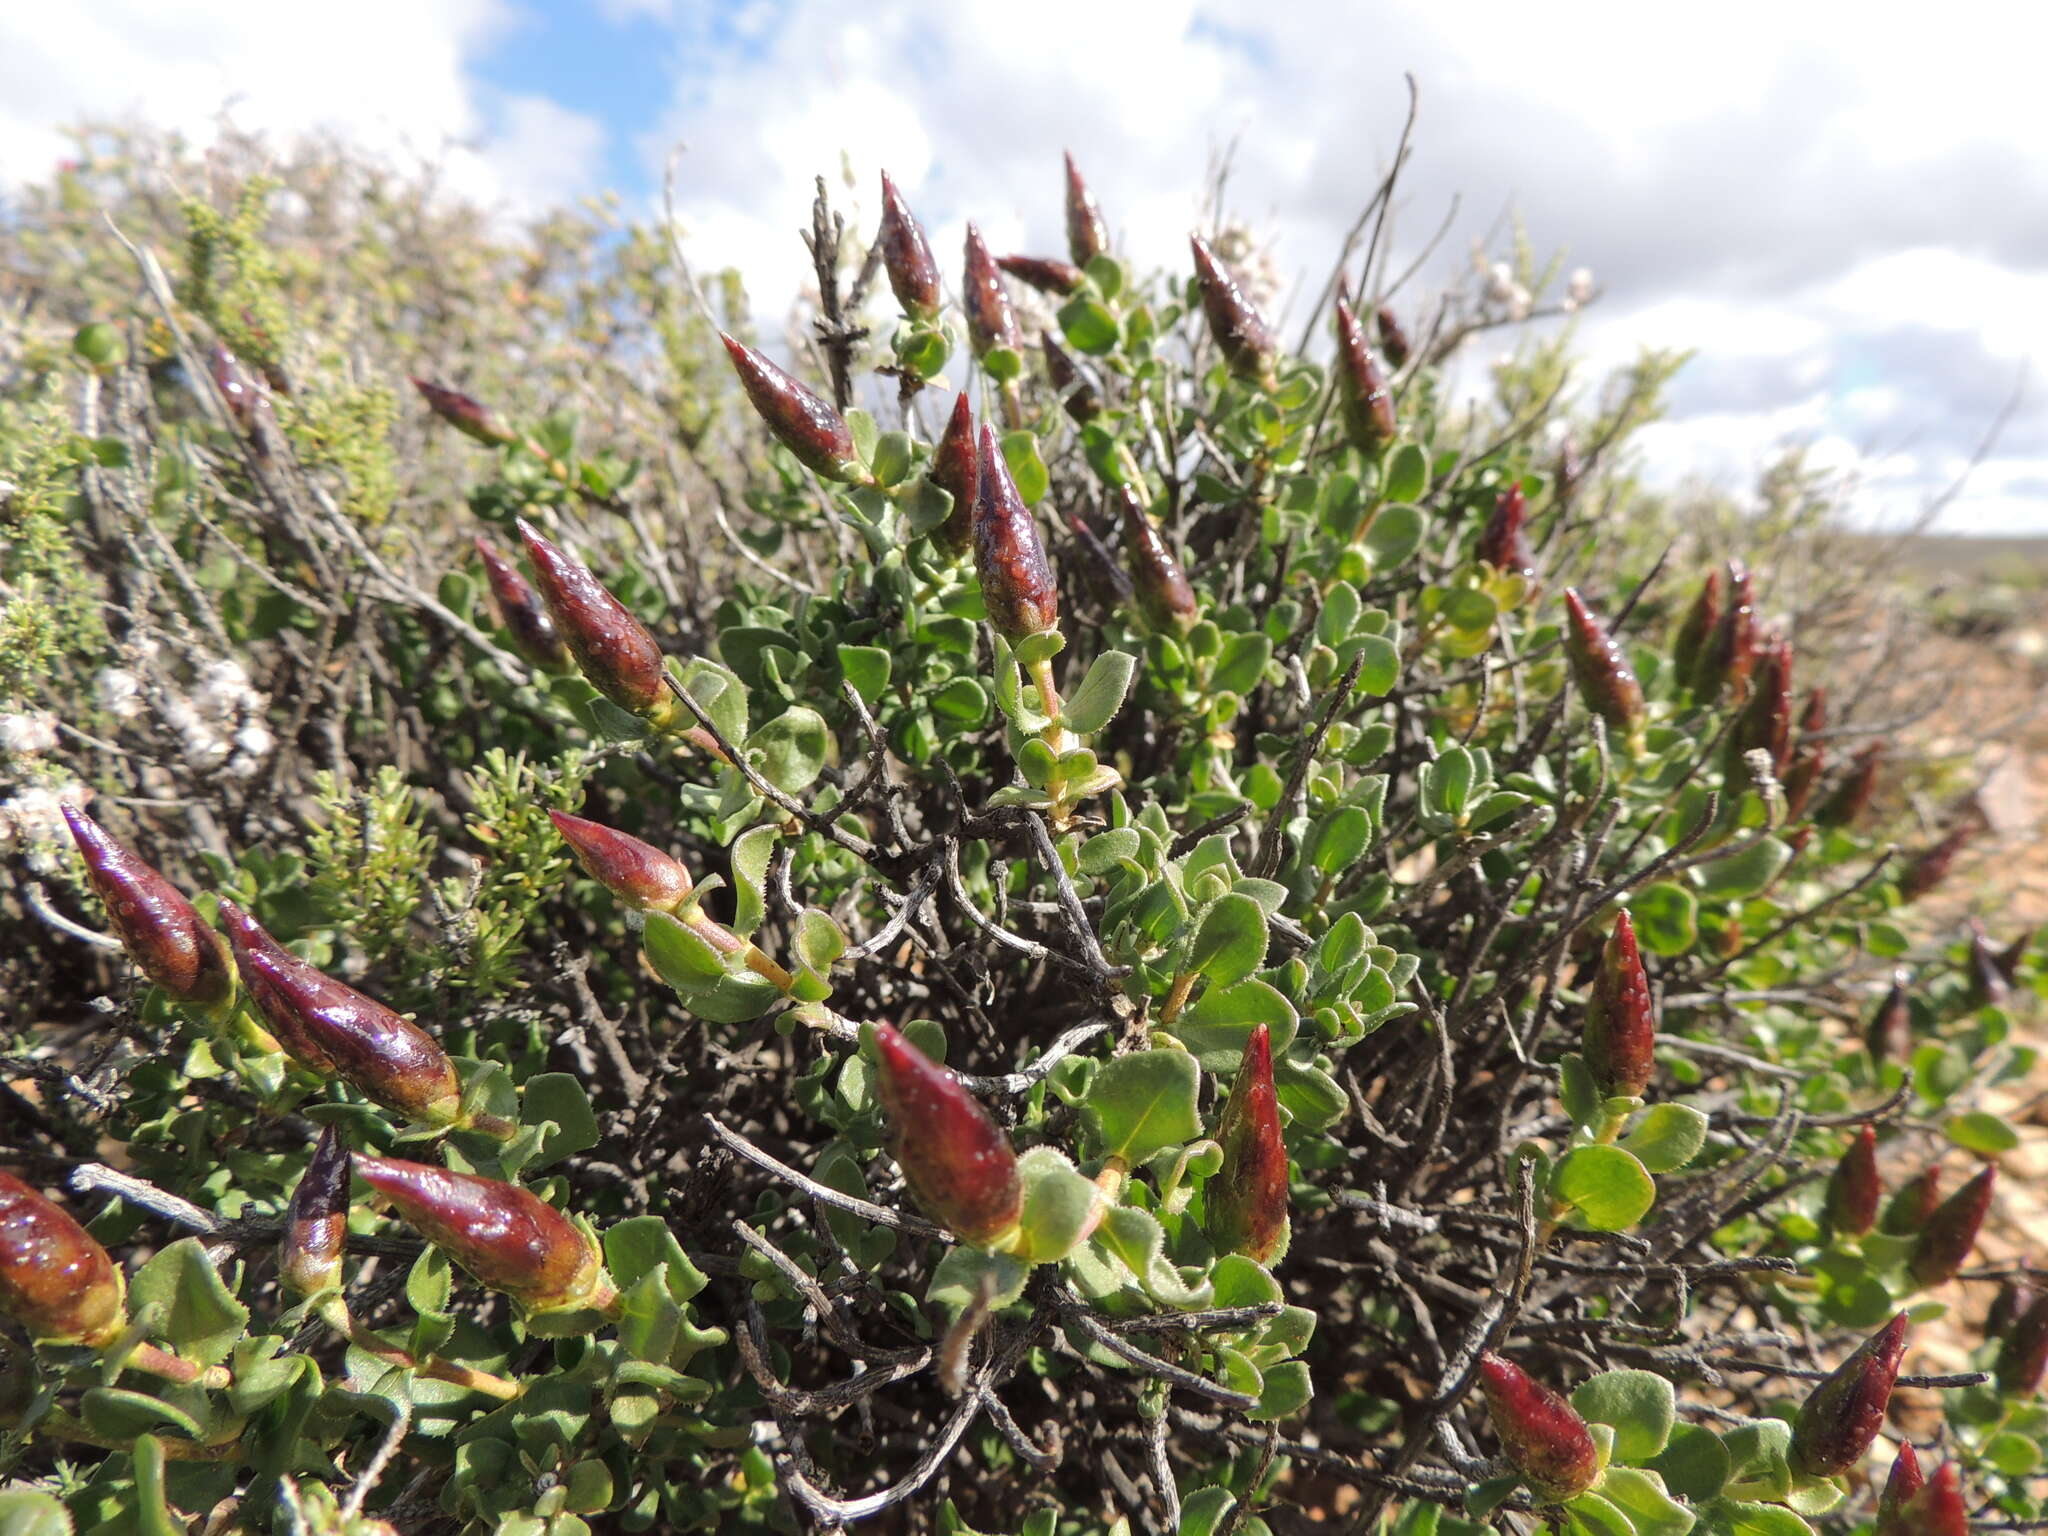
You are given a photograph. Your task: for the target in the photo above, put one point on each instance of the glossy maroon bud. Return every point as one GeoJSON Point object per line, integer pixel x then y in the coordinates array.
{"type": "Point", "coordinates": [1048, 274]}
{"type": "Point", "coordinates": [1542, 1435]}
{"type": "Point", "coordinates": [1951, 1232]}
{"type": "Point", "coordinates": [1851, 798]}
{"type": "Point", "coordinates": [1765, 724]}
{"type": "Point", "coordinates": [1504, 541]}
{"type": "Point", "coordinates": [1841, 1418]}
{"type": "Point", "coordinates": [638, 873]}
{"type": "Point", "coordinates": [1241, 336]}
{"type": "Point", "coordinates": [525, 616]}
{"type": "Point", "coordinates": [907, 256]}
{"type": "Point", "coordinates": [510, 1240]}
{"type": "Point", "coordinates": [1621, 1026]}
{"type": "Point", "coordinates": [1889, 1035]}
{"type": "Point", "coordinates": [1731, 652]}
{"type": "Point", "coordinates": [1813, 719]}
{"type": "Point", "coordinates": [163, 934]}
{"type": "Point", "coordinates": [1017, 587]}
{"type": "Point", "coordinates": [1802, 778]}
{"type": "Point", "coordinates": [1068, 382]}
{"type": "Point", "coordinates": [956, 470]}
{"type": "Point", "coordinates": [1989, 985]}
{"type": "Point", "coordinates": [1938, 1507]}
{"type": "Point", "coordinates": [1393, 340]}
{"type": "Point", "coordinates": [316, 1221]}
{"type": "Point", "coordinates": [469, 417]}
{"type": "Point", "coordinates": [1368, 402]}
{"type": "Point", "coordinates": [1933, 865]}
{"type": "Point", "coordinates": [991, 322]}
{"type": "Point", "coordinates": [616, 654]}
{"type": "Point", "coordinates": [1689, 647]}
{"type": "Point", "coordinates": [1087, 230]}
{"type": "Point", "coordinates": [803, 421]}
{"type": "Point", "coordinates": [958, 1162]}
{"type": "Point", "coordinates": [333, 1030]}
{"type": "Point", "coordinates": [1854, 1189]}
{"type": "Point", "coordinates": [1905, 1481]}
{"type": "Point", "coordinates": [1106, 580]}
{"type": "Point", "coordinates": [1246, 1202]}
{"type": "Point", "coordinates": [55, 1278]}
{"type": "Point", "coordinates": [2009, 959]}
{"type": "Point", "coordinates": [2023, 1349]}
{"type": "Point", "coordinates": [2014, 1296]}
{"type": "Point", "coordinates": [1156, 577]}
{"type": "Point", "coordinates": [1606, 681]}
{"type": "Point", "coordinates": [247, 400]}
{"type": "Point", "coordinates": [1909, 1211]}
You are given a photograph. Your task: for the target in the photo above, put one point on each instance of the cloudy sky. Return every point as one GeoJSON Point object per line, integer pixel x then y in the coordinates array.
{"type": "Point", "coordinates": [1848, 216]}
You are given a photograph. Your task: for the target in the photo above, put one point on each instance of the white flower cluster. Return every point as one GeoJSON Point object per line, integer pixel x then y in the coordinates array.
{"type": "Point", "coordinates": [1578, 291]}
{"type": "Point", "coordinates": [220, 723]}
{"type": "Point", "coordinates": [32, 820]}
{"type": "Point", "coordinates": [25, 734]}
{"type": "Point", "coordinates": [1503, 292]}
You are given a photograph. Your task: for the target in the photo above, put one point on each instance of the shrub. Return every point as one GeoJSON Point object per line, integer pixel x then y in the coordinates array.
{"type": "Point", "coordinates": [1204, 940]}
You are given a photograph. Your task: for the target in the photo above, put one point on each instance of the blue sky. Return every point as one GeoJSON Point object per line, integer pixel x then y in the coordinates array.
{"type": "Point", "coordinates": [1843, 216]}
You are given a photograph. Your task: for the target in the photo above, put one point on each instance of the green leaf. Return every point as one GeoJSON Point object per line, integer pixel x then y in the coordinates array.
{"type": "Point", "coordinates": [1407, 474]}
{"type": "Point", "coordinates": [1240, 662]}
{"type": "Point", "coordinates": [865, 432]}
{"type": "Point", "coordinates": [1284, 1391]}
{"type": "Point", "coordinates": [892, 457]}
{"type": "Point", "coordinates": [1020, 452]}
{"type": "Point", "coordinates": [1142, 1102]}
{"type": "Point", "coordinates": [640, 1245]}
{"type": "Point", "coordinates": [1745, 873]}
{"type": "Point", "coordinates": [1339, 840]}
{"type": "Point", "coordinates": [1745, 1519]}
{"type": "Point", "coordinates": [120, 1414]}
{"type": "Point", "coordinates": [1088, 325]}
{"type": "Point", "coordinates": [1215, 1029]}
{"type": "Point", "coordinates": [1607, 1188]}
{"type": "Point", "coordinates": [1231, 942]}
{"type": "Point", "coordinates": [25, 1512]}
{"type": "Point", "coordinates": [1694, 1463]}
{"type": "Point", "coordinates": [963, 701]}
{"type": "Point", "coordinates": [1641, 1496]}
{"type": "Point", "coordinates": [1058, 1206]}
{"type": "Point", "coordinates": [200, 1318]}
{"type": "Point", "coordinates": [1101, 694]}
{"type": "Point", "coordinates": [679, 954]}
{"type": "Point", "coordinates": [1666, 917]}
{"type": "Point", "coordinates": [793, 748]}
{"type": "Point", "coordinates": [1982, 1131]}
{"type": "Point", "coordinates": [558, 1097]}
{"type": "Point", "coordinates": [1202, 1512]}
{"type": "Point", "coordinates": [751, 852]}
{"type": "Point", "coordinates": [1591, 1515]}
{"type": "Point", "coordinates": [867, 668]}
{"type": "Point", "coordinates": [1139, 1242]}
{"type": "Point", "coordinates": [958, 1278]}
{"type": "Point", "coordinates": [1667, 1136]}
{"type": "Point", "coordinates": [1395, 535]}
{"type": "Point", "coordinates": [1381, 668]}
{"type": "Point", "coordinates": [1107, 851]}
{"type": "Point", "coordinates": [1577, 1090]}
{"type": "Point", "coordinates": [2014, 1455]}
{"type": "Point", "coordinates": [1759, 1452]}
{"type": "Point", "coordinates": [1639, 1404]}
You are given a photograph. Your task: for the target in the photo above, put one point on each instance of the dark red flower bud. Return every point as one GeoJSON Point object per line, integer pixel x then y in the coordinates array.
{"type": "Point", "coordinates": [1606, 681]}
{"type": "Point", "coordinates": [1813, 719]}
{"type": "Point", "coordinates": [990, 320]}
{"type": "Point", "coordinates": [1989, 985]}
{"type": "Point", "coordinates": [1933, 865]}
{"type": "Point", "coordinates": [55, 1278]}
{"type": "Point", "coordinates": [1802, 778]}
{"type": "Point", "coordinates": [1544, 1438]}
{"type": "Point", "coordinates": [1087, 230]}
{"type": "Point", "coordinates": [638, 873]}
{"type": "Point", "coordinates": [907, 256]}
{"type": "Point", "coordinates": [1731, 652]}
{"type": "Point", "coordinates": [1048, 274]}
{"type": "Point", "coordinates": [1909, 1211]}
{"type": "Point", "coordinates": [2014, 1296]}
{"type": "Point", "coordinates": [1368, 402]}
{"type": "Point", "coordinates": [509, 1239]}
{"type": "Point", "coordinates": [1156, 577]}
{"type": "Point", "coordinates": [1106, 580]}
{"type": "Point", "coordinates": [1393, 340]}
{"type": "Point", "coordinates": [1504, 541]}
{"type": "Point", "coordinates": [802, 420]}
{"type": "Point", "coordinates": [1689, 647]}
{"type": "Point", "coordinates": [1851, 798]}
{"type": "Point", "coordinates": [1017, 587]}
{"type": "Point", "coordinates": [2023, 1349]}
{"type": "Point", "coordinates": [1241, 336]}
{"type": "Point", "coordinates": [956, 470]}
{"type": "Point", "coordinates": [958, 1162]}
{"type": "Point", "coordinates": [1765, 724]}
{"type": "Point", "coordinates": [2009, 959]}
{"type": "Point", "coordinates": [247, 400]}
{"type": "Point", "coordinates": [1951, 1232]}
{"type": "Point", "coordinates": [1938, 1508]}
{"type": "Point", "coordinates": [1889, 1035]}
{"type": "Point", "coordinates": [333, 1030]}
{"type": "Point", "coordinates": [1854, 1189]}
{"type": "Point", "coordinates": [1841, 1418]}
{"type": "Point", "coordinates": [616, 654]}
{"type": "Point", "coordinates": [316, 1222]}
{"type": "Point", "coordinates": [1905, 1481]}
{"type": "Point", "coordinates": [1621, 1026]}
{"type": "Point", "coordinates": [1246, 1201]}
{"type": "Point", "coordinates": [524, 615]}
{"type": "Point", "coordinates": [162, 932]}
{"type": "Point", "coordinates": [1068, 382]}
{"type": "Point", "coordinates": [469, 417]}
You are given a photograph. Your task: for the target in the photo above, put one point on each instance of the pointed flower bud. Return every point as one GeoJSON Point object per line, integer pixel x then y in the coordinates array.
{"type": "Point", "coordinates": [1731, 652]}
{"type": "Point", "coordinates": [509, 1239]}
{"type": "Point", "coordinates": [1544, 1438]}
{"type": "Point", "coordinates": [316, 1222]}
{"type": "Point", "coordinates": [958, 1162]}
{"type": "Point", "coordinates": [1854, 1189]}
{"type": "Point", "coordinates": [991, 322]}
{"type": "Point", "coordinates": [2015, 1295]}
{"type": "Point", "coordinates": [1606, 681]}
{"type": "Point", "coordinates": [2009, 959]}
{"type": "Point", "coordinates": [1048, 274]}
{"type": "Point", "coordinates": [1368, 402]}
{"type": "Point", "coordinates": [1765, 724]}
{"type": "Point", "coordinates": [1621, 1026]}
{"type": "Point", "coordinates": [1841, 1418]}
{"type": "Point", "coordinates": [333, 1030]}
{"type": "Point", "coordinates": [1909, 1211]}
{"type": "Point", "coordinates": [1851, 798]}
{"type": "Point", "coordinates": [1938, 1507]}
{"type": "Point", "coordinates": [638, 873]}
{"type": "Point", "coordinates": [1504, 541]}
{"type": "Point", "coordinates": [1087, 230]}
{"type": "Point", "coordinates": [525, 616]}
{"type": "Point", "coordinates": [1889, 1035]}
{"type": "Point", "coordinates": [956, 470]}
{"type": "Point", "coordinates": [1241, 335]}
{"type": "Point", "coordinates": [1989, 985]}
{"type": "Point", "coordinates": [907, 256]}
{"type": "Point", "coordinates": [1246, 1201]}
{"type": "Point", "coordinates": [55, 1278]}
{"type": "Point", "coordinates": [1156, 577]}
{"type": "Point", "coordinates": [2023, 1350]}
{"type": "Point", "coordinates": [1803, 777]}
{"type": "Point", "coordinates": [616, 654]}
{"type": "Point", "coordinates": [162, 932]}
{"type": "Point", "coordinates": [1393, 340]}
{"type": "Point", "coordinates": [1934, 863]}
{"type": "Point", "coordinates": [469, 417]}
{"type": "Point", "coordinates": [803, 421]}
{"type": "Point", "coordinates": [1068, 382]}
{"type": "Point", "coordinates": [1905, 1481]}
{"type": "Point", "coordinates": [1689, 646]}
{"type": "Point", "coordinates": [1951, 1232]}
{"type": "Point", "coordinates": [1106, 580]}
{"type": "Point", "coordinates": [1017, 587]}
